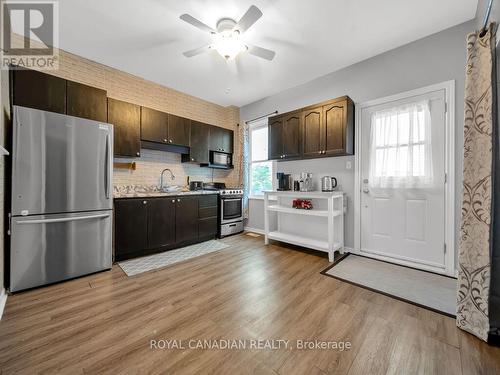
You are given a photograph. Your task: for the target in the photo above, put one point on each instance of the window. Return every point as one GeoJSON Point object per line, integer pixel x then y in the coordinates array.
{"type": "Point", "coordinates": [260, 169]}
{"type": "Point", "coordinates": [400, 147]}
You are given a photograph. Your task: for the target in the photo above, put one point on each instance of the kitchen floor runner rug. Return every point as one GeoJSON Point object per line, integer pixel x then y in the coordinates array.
{"type": "Point", "coordinates": [152, 262]}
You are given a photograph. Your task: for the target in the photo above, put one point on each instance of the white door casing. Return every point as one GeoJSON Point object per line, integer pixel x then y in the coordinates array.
{"type": "Point", "coordinates": [413, 227]}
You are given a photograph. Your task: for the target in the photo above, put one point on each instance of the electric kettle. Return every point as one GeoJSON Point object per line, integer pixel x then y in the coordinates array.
{"type": "Point", "coordinates": [328, 183]}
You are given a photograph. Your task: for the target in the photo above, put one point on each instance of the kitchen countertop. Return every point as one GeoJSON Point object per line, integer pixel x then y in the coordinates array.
{"type": "Point", "coordinates": [139, 191]}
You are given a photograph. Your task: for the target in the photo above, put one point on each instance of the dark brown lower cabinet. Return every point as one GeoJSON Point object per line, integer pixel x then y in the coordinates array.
{"type": "Point", "coordinates": [186, 219]}
{"type": "Point", "coordinates": [207, 216]}
{"type": "Point", "coordinates": [131, 227]}
{"type": "Point", "coordinates": [161, 222]}
{"type": "Point", "coordinates": [146, 226]}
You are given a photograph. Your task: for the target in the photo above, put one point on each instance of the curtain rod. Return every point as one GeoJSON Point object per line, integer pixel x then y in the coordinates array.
{"type": "Point", "coordinates": [260, 117]}
{"type": "Point", "coordinates": [487, 15]}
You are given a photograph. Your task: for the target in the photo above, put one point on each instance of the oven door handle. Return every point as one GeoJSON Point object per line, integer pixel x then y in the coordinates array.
{"type": "Point", "coordinates": [231, 199]}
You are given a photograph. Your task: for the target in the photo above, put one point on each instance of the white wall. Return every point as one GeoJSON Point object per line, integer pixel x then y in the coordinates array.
{"type": "Point", "coordinates": [437, 58]}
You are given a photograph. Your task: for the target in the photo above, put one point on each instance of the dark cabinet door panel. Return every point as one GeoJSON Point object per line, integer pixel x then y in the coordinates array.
{"type": "Point", "coordinates": [161, 222]}
{"type": "Point", "coordinates": [186, 219]}
{"type": "Point", "coordinates": [199, 142]}
{"type": "Point", "coordinates": [126, 118]}
{"type": "Point", "coordinates": [291, 135]}
{"type": "Point", "coordinates": [179, 129]}
{"type": "Point", "coordinates": [154, 125]}
{"type": "Point", "coordinates": [86, 102]}
{"type": "Point", "coordinates": [39, 90]}
{"type": "Point", "coordinates": [334, 120]}
{"type": "Point", "coordinates": [207, 227]}
{"type": "Point", "coordinates": [221, 139]}
{"type": "Point", "coordinates": [311, 135]}
{"type": "Point", "coordinates": [275, 131]}
{"type": "Point", "coordinates": [131, 223]}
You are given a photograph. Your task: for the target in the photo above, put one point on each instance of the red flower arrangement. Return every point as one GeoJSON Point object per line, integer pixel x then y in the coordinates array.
{"type": "Point", "coordinates": [304, 204]}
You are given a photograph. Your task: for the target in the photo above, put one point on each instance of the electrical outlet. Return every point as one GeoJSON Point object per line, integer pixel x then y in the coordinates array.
{"type": "Point", "coordinates": [348, 165]}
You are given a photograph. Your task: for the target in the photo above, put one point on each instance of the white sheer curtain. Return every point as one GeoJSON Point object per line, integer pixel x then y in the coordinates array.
{"type": "Point", "coordinates": [400, 147]}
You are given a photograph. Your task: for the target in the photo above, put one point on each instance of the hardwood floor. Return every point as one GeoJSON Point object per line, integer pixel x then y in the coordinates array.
{"type": "Point", "coordinates": [104, 323]}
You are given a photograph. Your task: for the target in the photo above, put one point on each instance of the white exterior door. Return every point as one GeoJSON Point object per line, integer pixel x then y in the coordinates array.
{"type": "Point", "coordinates": [404, 222]}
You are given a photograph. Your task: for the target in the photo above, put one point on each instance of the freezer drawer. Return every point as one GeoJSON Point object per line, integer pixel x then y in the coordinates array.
{"type": "Point", "coordinates": [50, 248]}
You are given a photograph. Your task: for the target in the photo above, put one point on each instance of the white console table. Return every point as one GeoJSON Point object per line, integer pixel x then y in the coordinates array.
{"type": "Point", "coordinates": [329, 206]}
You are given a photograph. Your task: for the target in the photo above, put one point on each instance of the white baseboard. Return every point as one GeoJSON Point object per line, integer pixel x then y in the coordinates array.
{"type": "Point", "coordinates": [3, 301]}
{"type": "Point", "coordinates": [254, 230]}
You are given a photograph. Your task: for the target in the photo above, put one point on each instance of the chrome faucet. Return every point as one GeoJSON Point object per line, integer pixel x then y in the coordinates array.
{"type": "Point", "coordinates": [172, 177]}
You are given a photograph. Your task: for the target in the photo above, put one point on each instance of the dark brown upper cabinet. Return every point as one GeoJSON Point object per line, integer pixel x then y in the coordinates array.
{"type": "Point", "coordinates": [291, 135]}
{"type": "Point", "coordinates": [275, 135]}
{"type": "Point", "coordinates": [284, 136]}
{"type": "Point", "coordinates": [154, 125]}
{"type": "Point", "coordinates": [199, 143]}
{"type": "Point", "coordinates": [38, 90]}
{"type": "Point", "coordinates": [334, 124]}
{"type": "Point", "coordinates": [325, 129]}
{"type": "Point", "coordinates": [221, 139]}
{"type": "Point", "coordinates": [86, 102]}
{"type": "Point", "coordinates": [126, 118]}
{"type": "Point", "coordinates": [179, 130]}
{"type": "Point", "coordinates": [311, 132]}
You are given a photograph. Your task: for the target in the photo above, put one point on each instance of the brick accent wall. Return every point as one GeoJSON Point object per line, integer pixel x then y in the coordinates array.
{"type": "Point", "coordinates": [123, 86]}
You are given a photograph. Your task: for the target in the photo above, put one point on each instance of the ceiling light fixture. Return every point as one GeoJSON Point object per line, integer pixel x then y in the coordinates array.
{"type": "Point", "coordinates": [229, 44]}
{"type": "Point", "coordinates": [227, 36]}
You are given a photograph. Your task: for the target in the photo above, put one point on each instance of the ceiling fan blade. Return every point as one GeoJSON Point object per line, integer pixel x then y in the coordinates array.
{"type": "Point", "coordinates": [261, 52]}
{"type": "Point", "coordinates": [249, 18]}
{"type": "Point", "coordinates": [196, 23]}
{"type": "Point", "coordinates": [197, 51]}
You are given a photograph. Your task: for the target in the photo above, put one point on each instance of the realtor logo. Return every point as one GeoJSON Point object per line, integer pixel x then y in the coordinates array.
{"type": "Point", "coordinates": [29, 34]}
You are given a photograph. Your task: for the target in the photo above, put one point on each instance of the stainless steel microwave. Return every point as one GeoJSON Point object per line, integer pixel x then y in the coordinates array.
{"type": "Point", "coordinates": [220, 160]}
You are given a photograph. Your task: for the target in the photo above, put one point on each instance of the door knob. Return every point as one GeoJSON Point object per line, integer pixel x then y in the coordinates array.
{"type": "Point", "coordinates": [366, 190]}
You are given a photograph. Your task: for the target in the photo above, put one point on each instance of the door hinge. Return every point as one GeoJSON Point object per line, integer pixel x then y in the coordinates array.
{"type": "Point", "coordinates": [10, 224]}
{"type": "Point", "coordinates": [445, 107]}
{"type": "Point", "coordinates": [445, 178]}
{"type": "Point", "coordinates": [444, 246]}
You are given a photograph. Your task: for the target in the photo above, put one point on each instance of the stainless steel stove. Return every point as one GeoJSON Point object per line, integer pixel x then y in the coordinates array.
{"type": "Point", "coordinates": [230, 209]}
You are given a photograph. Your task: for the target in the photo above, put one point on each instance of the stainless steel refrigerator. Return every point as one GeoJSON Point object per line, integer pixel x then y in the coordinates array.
{"type": "Point", "coordinates": [62, 199]}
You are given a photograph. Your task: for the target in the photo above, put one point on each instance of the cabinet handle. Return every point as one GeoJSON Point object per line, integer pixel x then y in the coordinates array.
{"type": "Point", "coordinates": [164, 140]}
{"type": "Point", "coordinates": [170, 140]}
{"type": "Point", "coordinates": [144, 202]}
{"type": "Point", "coordinates": [173, 200]}
{"type": "Point", "coordinates": [192, 159]}
{"type": "Point", "coordinates": [178, 199]}
{"type": "Point", "coordinates": [138, 153]}
{"type": "Point", "coordinates": [320, 152]}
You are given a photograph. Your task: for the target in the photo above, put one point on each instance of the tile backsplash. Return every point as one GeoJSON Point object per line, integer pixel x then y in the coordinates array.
{"type": "Point", "coordinates": [152, 162]}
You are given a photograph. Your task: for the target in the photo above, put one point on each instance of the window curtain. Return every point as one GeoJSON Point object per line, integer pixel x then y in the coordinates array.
{"type": "Point", "coordinates": [246, 168]}
{"type": "Point", "coordinates": [474, 300]}
{"type": "Point", "coordinates": [400, 147]}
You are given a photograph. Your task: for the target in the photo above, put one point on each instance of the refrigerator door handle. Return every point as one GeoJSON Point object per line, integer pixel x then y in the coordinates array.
{"type": "Point", "coordinates": [106, 167]}
{"type": "Point", "coordinates": [62, 219]}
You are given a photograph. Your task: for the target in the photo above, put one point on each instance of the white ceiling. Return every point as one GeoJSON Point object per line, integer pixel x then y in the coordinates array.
{"type": "Point", "coordinates": [311, 38]}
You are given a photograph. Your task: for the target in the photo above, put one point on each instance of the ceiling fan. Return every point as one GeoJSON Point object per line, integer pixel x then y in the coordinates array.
{"type": "Point", "coordinates": [227, 36]}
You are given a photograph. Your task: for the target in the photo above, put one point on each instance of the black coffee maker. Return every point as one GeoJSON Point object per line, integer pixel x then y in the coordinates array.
{"type": "Point", "coordinates": [284, 181]}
